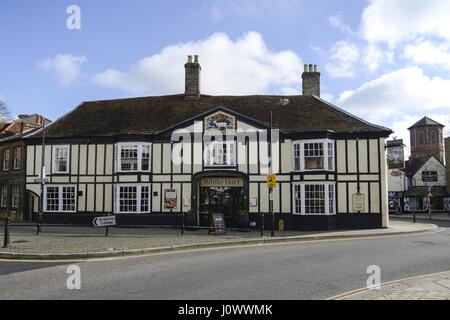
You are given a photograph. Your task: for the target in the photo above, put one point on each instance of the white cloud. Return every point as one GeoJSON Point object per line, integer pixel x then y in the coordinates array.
{"type": "Point", "coordinates": [244, 66]}
{"type": "Point", "coordinates": [374, 57]}
{"type": "Point", "coordinates": [429, 53]}
{"type": "Point", "coordinates": [338, 22]}
{"type": "Point", "coordinates": [343, 57]}
{"type": "Point", "coordinates": [65, 66]}
{"type": "Point", "coordinates": [394, 21]}
{"type": "Point", "coordinates": [405, 91]}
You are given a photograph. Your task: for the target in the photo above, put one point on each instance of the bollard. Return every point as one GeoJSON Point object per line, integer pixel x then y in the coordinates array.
{"type": "Point", "coordinates": [262, 225]}
{"type": "Point", "coordinates": [182, 224]}
{"type": "Point", "coordinates": [414, 216]}
{"type": "Point", "coordinates": [6, 239]}
{"type": "Point", "coordinates": [107, 232]}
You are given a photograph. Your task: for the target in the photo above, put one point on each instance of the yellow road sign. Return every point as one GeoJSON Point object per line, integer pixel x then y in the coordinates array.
{"type": "Point", "coordinates": [272, 181]}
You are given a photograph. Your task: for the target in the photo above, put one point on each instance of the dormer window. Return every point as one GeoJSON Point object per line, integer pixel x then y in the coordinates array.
{"type": "Point", "coordinates": [133, 157]}
{"type": "Point", "coordinates": [313, 155]}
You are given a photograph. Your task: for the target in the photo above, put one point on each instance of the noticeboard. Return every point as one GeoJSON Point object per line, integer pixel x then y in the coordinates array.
{"type": "Point", "coordinates": [358, 202]}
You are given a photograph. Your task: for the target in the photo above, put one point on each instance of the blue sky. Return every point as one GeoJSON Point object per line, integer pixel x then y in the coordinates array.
{"type": "Point", "coordinates": [374, 61]}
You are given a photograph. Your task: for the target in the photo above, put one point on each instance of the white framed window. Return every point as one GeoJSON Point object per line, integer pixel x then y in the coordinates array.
{"type": "Point", "coordinates": [4, 197]}
{"type": "Point", "coordinates": [220, 154]}
{"type": "Point", "coordinates": [60, 198]}
{"type": "Point", "coordinates": [313, 155]}
{"type": "Point", "coordinates": [133, 157]}
{"type": "Point", "coordinates": [6, 154]}
{"type": "Point", "coordinates": [132, 198]}
{"type": "Point", "coordinates": [15, 196]}
{"type": "Point", "coordinates": [17, 158]}
{"type": "Point", "coordinates": [314, 198]}
{"type": "Point", "coordinates": [61, 156]}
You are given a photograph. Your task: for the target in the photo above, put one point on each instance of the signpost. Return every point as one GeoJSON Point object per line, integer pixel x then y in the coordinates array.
{"type": "Point", "coordinates": [105, 222]}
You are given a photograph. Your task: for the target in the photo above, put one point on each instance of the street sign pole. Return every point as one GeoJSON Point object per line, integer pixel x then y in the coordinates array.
{"type": "Point", "coordinates": [430, 188]}
{"type": "Point", "coordinates": [272, 232]}
{"type": "Point", "coordinates": [41, 209]}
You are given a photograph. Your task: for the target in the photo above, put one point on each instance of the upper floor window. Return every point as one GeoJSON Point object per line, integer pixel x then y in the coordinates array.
{"type": "Point", "coordinates": [314, 198]}
{"type": "Point", "coordinates": [60, 198]}
{"type": "Point", "coordinates": [6, 153]}
{"type": "Point", "coordinates": [133, 157]}
{"type": "Point", "coordinates": [313, 155]}
{"type": "Point", "coordinates": [17, 158]}
{"type": "Point", "coordinates": [220, 153]}
{"type": "Point", "coordinates": [61, 159]}
{"type": "Point", "coordinates": [4, 197]}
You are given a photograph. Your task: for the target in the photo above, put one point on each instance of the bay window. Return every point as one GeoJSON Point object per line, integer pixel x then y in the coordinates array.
{"type": "Point", "coordinates": [314, 198]}
{"type": "Point", "coordinates": [61, 159]}
{"type": "Point", "coordinates": [132, 199]}
{"type": "Point", "coordinates": [220, 153]}
{"type": "Point", "coordinates": [60, 198]}
{"type": "Point", "coordinates": [133, 157]}
{"type": "Point", "coordinates": [313, 155]}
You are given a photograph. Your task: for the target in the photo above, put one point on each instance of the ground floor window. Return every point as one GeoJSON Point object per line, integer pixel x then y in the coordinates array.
{"type": "Point", "coordinates": [15, 196]}
{"type": "Point", "coordinates": [314, 198]}
{"type": "Point", "coordinates": [60, 199]}
{"type": "Point", "coordinates": [132, 199]}
{"type": "Point", "coordinates": [4, 197]}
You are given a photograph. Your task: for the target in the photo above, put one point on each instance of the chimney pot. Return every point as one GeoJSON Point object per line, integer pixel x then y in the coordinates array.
{"type": "Point", "coordinates": [306, 68]}
{"type": "Point", "coordinates": [196, 59]}
{"type": "Point", "coordinates": [189, 59]}
{"type": "Point", "coordinates": [315, 68]}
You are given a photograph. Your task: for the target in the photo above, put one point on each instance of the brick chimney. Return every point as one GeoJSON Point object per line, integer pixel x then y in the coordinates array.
{"type": "Point", "coordinates": [193, 71]}
{"type": "Point", "coordinates": [311, 81]}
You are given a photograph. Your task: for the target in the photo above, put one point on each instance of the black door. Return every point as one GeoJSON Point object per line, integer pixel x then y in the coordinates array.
{"type": "Point", "coordinates": [225, 200]}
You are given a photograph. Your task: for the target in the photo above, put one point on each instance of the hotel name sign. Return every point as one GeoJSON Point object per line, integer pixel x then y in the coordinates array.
{"type": "Point", "coordinates": [222, 182]}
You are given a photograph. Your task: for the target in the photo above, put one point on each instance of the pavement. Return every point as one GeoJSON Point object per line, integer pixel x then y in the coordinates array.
{"type": "Point", "coordinates": [427, 287]}
{"type": "Point", "coordinates": [301, 270]}
{"type": "Point", "coordinates": [130, 242]}
{"type": "Point", "coordinates": [439, 216]}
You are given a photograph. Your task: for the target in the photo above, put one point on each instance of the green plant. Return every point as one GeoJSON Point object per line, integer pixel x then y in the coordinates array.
{"type": "Point", "coordinates": [192, 211]}
{"type": "Point", "coordinates": [243, 212]}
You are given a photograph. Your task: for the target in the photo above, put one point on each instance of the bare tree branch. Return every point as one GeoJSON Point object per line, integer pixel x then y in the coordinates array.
{"type": "Point", "coordinates": [4, 112]}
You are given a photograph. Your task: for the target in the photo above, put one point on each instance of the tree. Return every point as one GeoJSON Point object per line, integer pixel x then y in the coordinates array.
{"type": "Point", "coordinates": [4, 112]}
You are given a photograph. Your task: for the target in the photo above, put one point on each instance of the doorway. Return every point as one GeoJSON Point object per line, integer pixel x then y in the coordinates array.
{"type": "Point", "coordinates": [225, 200]}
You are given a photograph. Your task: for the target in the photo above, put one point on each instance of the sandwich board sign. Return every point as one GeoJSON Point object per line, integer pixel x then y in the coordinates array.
{"type": "Point", "coordinates": [217, 223]}
{"type": "Point", "coordinates": [108, 221]}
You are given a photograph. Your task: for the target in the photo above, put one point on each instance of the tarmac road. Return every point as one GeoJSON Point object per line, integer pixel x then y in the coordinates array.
{"type": "Point", "coordinates": [315, 270]}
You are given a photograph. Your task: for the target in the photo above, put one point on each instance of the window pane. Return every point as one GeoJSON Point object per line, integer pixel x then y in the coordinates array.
{"type": "Point", "coordinates": [145, 196]}
{"type": "Point", "coordinates": [61, 159]}
{"type": "Point", "coordinates": [4, 196]}
{"type": "Point", "coordinates": [128, 199]}
{"type": "Point", "coordinates": [331, 198]}
{"type": "Point", "coordinates": [52, 199]}
{"type": "Point", "coordinates": [68, 199]}
{"type": "Point", "coordinates": [298, 199]}
{"type": "Point", "coordinates": [314, 156]}
{"type": "Point", "coordinates": [315, 199]}
{"type": "Point", "coordinates": [129, 158]}
{"type": "Point", "coordinates": [15, 196]}
{"type": "Point", "coordinates": [145, 165]}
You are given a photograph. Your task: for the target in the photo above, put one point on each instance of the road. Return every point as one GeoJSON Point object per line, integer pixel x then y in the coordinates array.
{"type": "Point", "coordinates": [315, 270]}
